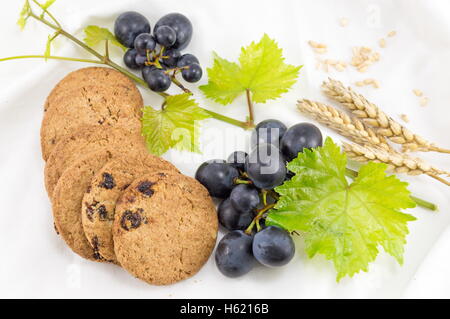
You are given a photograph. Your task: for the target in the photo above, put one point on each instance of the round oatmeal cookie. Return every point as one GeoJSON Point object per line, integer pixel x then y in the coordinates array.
{"type": "Point", "coordinates": [165, 228]}
{"type": "Point", "coordinates": [99, 202]}
{"type": "Point", "coordinates": [67, 200]}
{"type": "Point", "coordinates": [100, 76]}
{"type": "Point", "coordinates": [104, 105]}
{"type": "Point", "coordinates": [116, 140]}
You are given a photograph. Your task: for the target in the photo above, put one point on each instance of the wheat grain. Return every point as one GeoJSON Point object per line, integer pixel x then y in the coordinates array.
{"type": "Point", "coordinates": [343, 22]}
{"type": "Point", "coordinates": [341, 122]}
{"type": "Point", "coordinates": [396, 162]}
{"type": "Point", "coordinates": [417, 92]}
{"type": "Point", "coordinates": [371, 115]}
{"type": "Point", "coordinates": [424, 101]}
{"type": "Point", "coordinates": [404, 117]}
{"type": "Point", "coordinates": [392, 33]}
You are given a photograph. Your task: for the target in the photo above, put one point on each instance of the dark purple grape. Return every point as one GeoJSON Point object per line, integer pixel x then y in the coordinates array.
{"type": "Point", "coordinates": [193, 73]}
{"type": "Point", "coordinates": [158, 80]}
{"type": "Point", "coordinates": [182, 27]}
{"type": "Point", "coordinates": [273, 247]}
{"type": "Point", "coordinates": [231, 218]}
{"type": "Point", "coordinates": [144, 42]}
{"type": "Point", "coordinates": [237, 159]}
{"type": "Point", "coordinates": [140, 60]}
{"type": "Point", "coordinates": [234, 257]}
{"type": "Point", "coordinates": [218, 178]}
{"type": "Point", "coordinates": [130, 59]}
{"type": "Point", "coordinates": [128, 26]}
{"type": "Point", "coordinates": [245, 198]}
{"type": "Point", "coordinates": [146, 71]}
{"type": "Point", "coordinates": [268, 131]}
{"type": "Point", "coordinates": [170, 58]}
{"type": "Point", "coordinates": [186, 60]}
{"type": "Point", "coordinates": [266, 167]}
{"type": "Point", "coordinates": [299, 137]}
{"type": "Point", "coordinates": [165, 36]}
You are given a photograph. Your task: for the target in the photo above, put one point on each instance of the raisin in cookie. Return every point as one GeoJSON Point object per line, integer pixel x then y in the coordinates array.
{"type": "Point", "coordinates": [99, 202]}
{"type": "Point", "coordinates": [87, 139]}
{"type": "Point", "coordinates": [67, 200]}
{"type": "Point", "coordinates": [165, 228]}
{"type": "Point", "coordinates": [91, 104]}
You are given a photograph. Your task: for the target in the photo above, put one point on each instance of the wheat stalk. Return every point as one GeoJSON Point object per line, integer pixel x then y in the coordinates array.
{"type": "Point", "coordinates": [341, 122]}
{"type": "Point", "coordinates": [396, 162]}
{"type": "Point", "coordinates": [371, 115]}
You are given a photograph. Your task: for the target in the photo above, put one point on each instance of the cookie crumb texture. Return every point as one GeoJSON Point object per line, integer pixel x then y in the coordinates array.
{"type": "Point", "coordinates": [168, 236]}
{"type": "Point", "coordinates": [67, 203]}
{"type": "Point", "coordinates": [99, 203]}
{"type": "Point", "coordinates": [91, 96]}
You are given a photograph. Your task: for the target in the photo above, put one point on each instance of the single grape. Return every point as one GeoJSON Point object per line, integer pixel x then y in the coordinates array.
{"type": "Point", "coordinates": [231, 218]}
{"type": "Point", "coordinates": [144, 42]}
{"type": "Point", "coordinates": [158, 80]}
{"type": "Point", "coordinates": [146, 71]}
{"type": "Point", "coordinates": [273, 247]}
{"type": "Point", "coordinates": [186, 60]}
{"type": "Point", "coordinates": [193, 73]}
{"type": "Point", "coordinates": [170, 57]}
{"type": "Point", "coordinates": [130, 59]}
{"type": "Point", "coordinates": [218, 178]}
{"type": "Point", "coordinates": [237, 159]}
{"type": "Point", "coordinates": [268, 131]}
{"type": "Point", "coordinates": [245, 198]}
{"type": "Point", "coordinates": [234, 256]}
{"type": "Point", "coordinates": [165, 36]}
{"type": "Point", "coordinates": [182, 27]}
{"type": "Point", "coordinates": [128, 26]}
{"type": "Point", "coordinates": [140, 60]}
{"type": "Point", "coordinates": [299, 137]}
{"type": "Point", "coordinates": [266, 167]}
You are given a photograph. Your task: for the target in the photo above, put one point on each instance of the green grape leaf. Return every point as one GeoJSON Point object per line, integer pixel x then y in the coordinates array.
{"type": "Point", "coordinates": [96, 34]}
{"type": "Point", "coordinates": [175, 126]}
{"type": "Point", "coordinates": [261, 71]}
{"type": "Point", "coordinates": [345, 222]}
{"type": "Point", "coordinates": [24, 15]}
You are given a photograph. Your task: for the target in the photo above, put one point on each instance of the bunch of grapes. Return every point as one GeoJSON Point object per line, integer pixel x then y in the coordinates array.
{"type": "Point", "coordinates": [245, 183]}
{"type": "Point", "coordinates": [158, 55]}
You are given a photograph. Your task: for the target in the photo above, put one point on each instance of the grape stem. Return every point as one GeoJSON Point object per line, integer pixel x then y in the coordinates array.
{"type": "Point", "coordinates": [238, 181]}
{"type": "Point", "coordinates": [258, 216]}
{"type": "Point", "coordinates": [251, 115]}
{"type": "Point", "coordinates": [105, 60]}
{"type": "Point", "coordinates": [419, 201]}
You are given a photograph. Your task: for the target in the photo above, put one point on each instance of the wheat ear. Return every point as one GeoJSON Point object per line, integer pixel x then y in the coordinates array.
{"type": "Point", "coordinates": [397, 163]}
{"type": "Point", "coordinates": [341, 122]}
{"type": "Point", "coordinates": [371, 115]}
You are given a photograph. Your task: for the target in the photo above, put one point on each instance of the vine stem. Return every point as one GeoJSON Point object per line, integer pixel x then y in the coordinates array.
{"type": "Point", "coordinates": [419, 201]}
{"type": "Point", "coordinates": [251, 115]}
{"type": "Point", "coordinates": [50, 57]}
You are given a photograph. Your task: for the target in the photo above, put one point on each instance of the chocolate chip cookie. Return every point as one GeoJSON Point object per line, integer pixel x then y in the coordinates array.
{"type": "Point", "coordinates": [99, 202]}
{"type": "Point", "coordinates": [68, 196]}
{"type": "Point", "coordinates": [165, 228]}
{"type": "Point", "coordinates": [104, 103]}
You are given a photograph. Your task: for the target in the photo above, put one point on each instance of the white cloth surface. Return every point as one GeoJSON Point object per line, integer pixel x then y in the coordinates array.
{"type": "Point", "coordinates": [36, 263]}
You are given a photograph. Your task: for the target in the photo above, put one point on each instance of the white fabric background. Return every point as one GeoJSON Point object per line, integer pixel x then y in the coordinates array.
{"type": "Point", "coordinates": [34, 262]}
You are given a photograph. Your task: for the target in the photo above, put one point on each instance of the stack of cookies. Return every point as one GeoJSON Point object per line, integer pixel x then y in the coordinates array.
{"type": "Point", "coordinates": [112, 201]}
